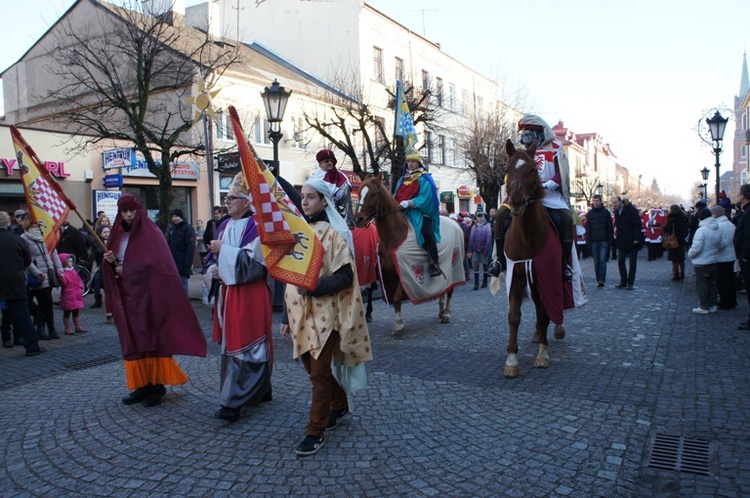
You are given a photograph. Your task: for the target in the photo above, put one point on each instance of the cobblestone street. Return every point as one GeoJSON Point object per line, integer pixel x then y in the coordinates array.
{"type": "Point", "coordinates": [437, 418]}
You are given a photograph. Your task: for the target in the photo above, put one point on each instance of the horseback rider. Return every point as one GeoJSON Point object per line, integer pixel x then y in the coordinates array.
{"type": "Point", "coordinates": [552, 165]}
{"type": "Point", "coordinates": [341, 189]}
{"type": "Point", "coordinates": [417, 195]}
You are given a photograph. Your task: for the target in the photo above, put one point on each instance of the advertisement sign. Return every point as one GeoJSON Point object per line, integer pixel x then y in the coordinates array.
{"type": "Point", "coordinates": [105, 200]}
{"type": "Point", "coordinates": [113, 181]}
{"type": "Point", "coordinates": [181, 170]}
{"type": "Point", "coordinates": [118, 158]}
{"type": "Point", "coordinates": [446, 197]}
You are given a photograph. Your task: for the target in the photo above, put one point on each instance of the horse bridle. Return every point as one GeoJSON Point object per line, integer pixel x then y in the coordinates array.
{"type": "Point", "coordinates": [378, 213]}
{"type": "Point", "coordinates": [527, 199]}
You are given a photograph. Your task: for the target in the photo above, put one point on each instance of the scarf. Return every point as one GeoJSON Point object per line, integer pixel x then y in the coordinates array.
{"type": "Point", "coordinates": [35, 234]}
{"type": "Point", "coordinates": [334, 218]}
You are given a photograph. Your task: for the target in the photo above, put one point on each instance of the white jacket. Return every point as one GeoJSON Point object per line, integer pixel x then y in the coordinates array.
{"type": "Point", "coordinates": [706, 243]}
{"type": "Point", "coordinates": [726, 248]}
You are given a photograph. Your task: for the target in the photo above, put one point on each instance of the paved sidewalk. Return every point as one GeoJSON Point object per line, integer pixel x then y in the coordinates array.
{"type": "Point", "coordinates": [437, 418]}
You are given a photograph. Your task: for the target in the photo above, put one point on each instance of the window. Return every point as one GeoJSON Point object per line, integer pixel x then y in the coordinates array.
{"type": "Point", "coordinates": [450, 152]}
{"type": "Point", "coordinates": [439, 91]}
{"type": "Point", "coordinates": [377, 64]}
{"type": "Point", "coordinates": [480, 106]}
{"type": "Point", "coordinates": [464, 102]}
{"type": "Point", "coordinates": [223, 128]}
{"type": "Point", "coordinates": [379, 137]}
{"type": "Point", "coordinates": [440, 150]}
{"type": "Point", "coordinates": [452, 97]}
{"type": "Point", "coordinates": [298, 129]}
{"type": "Point", "coordinates": [399, 64]}
{"type": "Point", "coordinates": [428, 142]}
{"type": "Point", "coordinates": [261, 130]}
{"type": "Point", "coordinates": [425, 80]}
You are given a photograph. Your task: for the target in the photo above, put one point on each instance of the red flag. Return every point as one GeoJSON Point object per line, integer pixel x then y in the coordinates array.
{"type": "Point", "coordinates": [292, 252]}
{"type": "Point", "coordinates": [49, 206]}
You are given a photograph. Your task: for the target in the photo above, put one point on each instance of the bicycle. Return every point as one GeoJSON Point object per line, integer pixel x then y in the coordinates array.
{"type": "Point", "coordinates": [85, 275]}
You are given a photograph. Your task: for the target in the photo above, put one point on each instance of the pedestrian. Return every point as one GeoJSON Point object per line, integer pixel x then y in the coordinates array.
{"type": "Point", "coordinates": [17, 221]}
{"type": "Point", "coordinates": [703, 253]}
{"type": "Point", "coordinates": [654, 227]}
{"type": "Point", "coordinates": [701, 213]}
{"type": "Point", "coordinates": [599, 236]}
{"type": "Point", "coordinates": [629, 240]}
{"type": "Point", "coordinates": [725, 203]}
{"type": "Point", "coordinates": [213, 224]}
{"type": "Point", "coordinates": [154, 319]}
{"type": "Point", "coordinates": [463, 221]}
{"type": "Point", "coordinates": [48, 269]}
{"type": "Point", "coordinates": [15, 257]}
{"type": "Point", "coordinates": [72, 241]}
{"type": "Point", "coordinates": [242, 315]}
{"type": "Point", "coordinates": [71, 295]}
{"type": "Point", "coordinates": [677, 225]}
{"type": "Point", "coordinates": [97, 280]}
{"type": "Point", "coordinates": [200, 245]}
{"type": "Point", "coordinates": [341, 189]}
{"type": "Point", "coordinates": [327, 324]}
{"type": "Point", "coordinates": [480, 246]}
{"type": "Point", "coordinates": [181, 240]}
{"type": "Point", "coordinates": [742, 244]}
{"type": "Point", "coordinates": [725, 259]}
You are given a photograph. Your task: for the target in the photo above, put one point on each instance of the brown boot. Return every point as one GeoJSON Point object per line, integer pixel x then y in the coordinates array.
{"type": "Point", "coordinates": [675, 271]}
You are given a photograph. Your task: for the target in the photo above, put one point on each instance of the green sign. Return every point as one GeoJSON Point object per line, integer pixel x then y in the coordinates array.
{"type": "Point", "coordinates": [446, 197]}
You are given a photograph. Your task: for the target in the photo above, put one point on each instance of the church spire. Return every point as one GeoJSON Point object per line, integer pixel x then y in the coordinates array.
{"type": "Point", "coordinates": [744, 81]}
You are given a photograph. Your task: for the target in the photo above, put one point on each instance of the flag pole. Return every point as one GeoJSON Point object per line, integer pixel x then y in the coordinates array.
{"type": "Point", "coordinates": [57, 186]}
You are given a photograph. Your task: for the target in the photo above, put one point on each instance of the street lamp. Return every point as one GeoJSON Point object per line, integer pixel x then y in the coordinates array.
{"type": "Point", "coordinates": [600, 189]}
{"type": "Point", "coordinates": [716, 126]}
{"type": "Point", "coordinates": [704, 186]}
{"type": "Point", "coordinates": [275, 99]}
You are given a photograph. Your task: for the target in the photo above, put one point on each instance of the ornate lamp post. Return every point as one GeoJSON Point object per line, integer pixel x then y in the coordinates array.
{"type": "Point", "coordinates": [275, 99]}
{"type": "Point", "coordinates": [717, 124]}
{"type": "Point", "coordinates": [704, 173]}
{"type": "Point", "coordinates": [599, 189]}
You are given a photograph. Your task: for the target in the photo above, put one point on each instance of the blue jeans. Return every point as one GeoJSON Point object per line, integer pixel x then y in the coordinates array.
{"type": "Point", "coordinates": [600, 251]}
{"type": "Point", "coordinates": [185, 283]}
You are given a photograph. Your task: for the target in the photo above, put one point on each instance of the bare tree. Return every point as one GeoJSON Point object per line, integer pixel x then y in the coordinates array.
{"type": "Point", "coordinates": [125, 75]}
{"type": "Point", "coordinates": [483, 145]}
{"type": "Point", "coordinates": [586, 187]}
{"type": "Point", "coordinates": [349, 122]}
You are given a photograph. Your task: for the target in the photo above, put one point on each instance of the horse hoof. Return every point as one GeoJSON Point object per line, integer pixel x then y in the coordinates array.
{"type": "Point", "coordinates": [536, 338]}
{"type": "Point", "coordinates": [541, 363]}
{"type": "Point", "coordinates": [559, 331]}
{"type": "Point", "coordinates": [445, 319]}
{"type": "Point", "coordinates": [510, 371]}
{"type": "Point", "coordinates": [399, 332]}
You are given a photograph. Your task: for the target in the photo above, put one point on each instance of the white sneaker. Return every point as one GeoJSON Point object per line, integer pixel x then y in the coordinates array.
{"type": "Point", "coordinates": [713, 309]}
{"type": "Point", "coordinates": [700, 311]}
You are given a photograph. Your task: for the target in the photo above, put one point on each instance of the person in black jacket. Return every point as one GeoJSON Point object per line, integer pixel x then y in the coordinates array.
{"type": "Point", "coordinates": [742, 244]}
{"type": "Point", "coordinates": [181, 240]}
{"type": "Point", "coordinates": [677, 225]}
{"type": "Point", "coordinates": [72, 241]}
{"type": "Point", "coordinates": [629, 239]}
{"type": "Point", "coordinates": [220, 214]}
{"type": "Point", "coordinates": [599, 235]}
{"type": "Point", "coordinates": [16, 257]}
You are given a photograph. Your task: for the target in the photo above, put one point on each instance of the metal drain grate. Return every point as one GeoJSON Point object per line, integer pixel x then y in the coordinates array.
{"type": "Point", "coordinates": [93, 362]}
{"type": "Point", "coordinates": [681, 454]}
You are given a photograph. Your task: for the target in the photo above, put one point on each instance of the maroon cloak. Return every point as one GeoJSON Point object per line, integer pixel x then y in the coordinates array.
{"type": "Point", "coordinates": [153, 314]}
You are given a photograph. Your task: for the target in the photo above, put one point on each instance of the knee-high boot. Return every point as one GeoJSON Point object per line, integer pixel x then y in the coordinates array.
{"type": "Point", "coordinates": [476, 280]}
{"type": "Point", "coordinates": [675, 270]}
{"type": "Point", "coordinates": [682, 270]}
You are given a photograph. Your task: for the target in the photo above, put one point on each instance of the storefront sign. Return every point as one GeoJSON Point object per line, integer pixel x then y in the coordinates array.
{"type": "Point", "coordinates": [181, 170]}
{"type": "Point", "coordinates": [118, 158]}
{"type": "Point", "coordinates": [446, 197]}
{"type": "Point", "coordinates": [113, 181]}
{"type": "Point", "coordinates": [105, 200]}
{"type": "Point", "coordinates": [230, 160]}
{"type": "Point", "coordinates": [463, 191]}
{"type": "Point", "coordinates": [353, 178]}
{"type": "Point", "coordinates": [57, 169]}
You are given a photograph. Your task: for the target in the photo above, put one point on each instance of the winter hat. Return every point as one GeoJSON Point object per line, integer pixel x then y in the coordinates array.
{"type": "Point", "coordinates": [178, 213]}
{"type": "Point", "coordinates": [414, 157]}
{"type": "Point", "coordinates": [326, 154]}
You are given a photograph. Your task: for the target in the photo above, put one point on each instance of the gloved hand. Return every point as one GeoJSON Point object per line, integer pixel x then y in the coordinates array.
{"type": "Point", "coordinates": [550, 185]}
{"type": "Point", "coordinates": [404, 204]}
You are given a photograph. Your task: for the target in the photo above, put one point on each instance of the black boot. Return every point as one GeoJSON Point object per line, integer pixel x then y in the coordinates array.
{"type": "Point", "coordinates": [567, 247]}
{"type": "Point", "coordinates": [476, 280]}
{"type": "Point", "coordinates": [484, 280]}
{"type": "Point", "coordinates": [97, 302]}
{"type": "Point", "coordinates": [41, 333]}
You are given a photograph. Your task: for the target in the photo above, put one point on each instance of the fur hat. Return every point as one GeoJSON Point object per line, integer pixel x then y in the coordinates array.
{"type": "Point", "coordinates": [324, 154]}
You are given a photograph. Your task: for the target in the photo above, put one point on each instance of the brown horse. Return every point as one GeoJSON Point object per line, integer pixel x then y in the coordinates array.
{"type": "Point", "coordinates": [525, 240]}
{"type": "Point", "coordinates": [376, 203]}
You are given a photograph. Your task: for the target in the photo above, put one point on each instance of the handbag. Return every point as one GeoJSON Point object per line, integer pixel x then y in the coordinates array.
{"type": "Point", "coordinates": [669, 241]}
{"type": "Point", "coordinates": [31, 281]}
{"type": "Point", "coordinates": [53, 279]}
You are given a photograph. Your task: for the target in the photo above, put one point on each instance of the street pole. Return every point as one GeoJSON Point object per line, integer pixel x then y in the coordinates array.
{"type": "Point", "coordinates": [275, 136]}
{"type": "Point", "coordinates": [717, 151]}
{"type": "Point", "coordinates": [207, 131]}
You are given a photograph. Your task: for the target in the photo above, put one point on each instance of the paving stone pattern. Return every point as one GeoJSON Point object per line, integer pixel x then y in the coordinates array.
{"type": "Point", "coordinates": [437, 418]}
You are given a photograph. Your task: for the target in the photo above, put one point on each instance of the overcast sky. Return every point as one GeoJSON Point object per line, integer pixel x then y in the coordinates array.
{"type": "Point", "coordinates": [640, 73]}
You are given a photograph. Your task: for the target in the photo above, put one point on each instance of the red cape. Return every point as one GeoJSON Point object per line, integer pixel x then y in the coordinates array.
{"type": "Point", "coordinates": [153, 314]}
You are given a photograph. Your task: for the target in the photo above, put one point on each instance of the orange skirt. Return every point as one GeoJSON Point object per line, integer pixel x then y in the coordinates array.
{"type": "Point", "coordinates": [157, 370]}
